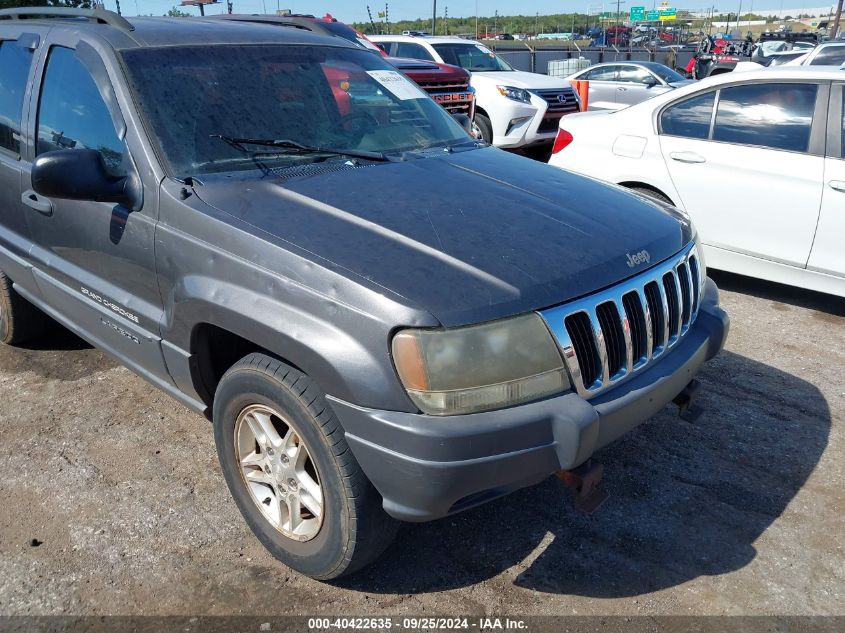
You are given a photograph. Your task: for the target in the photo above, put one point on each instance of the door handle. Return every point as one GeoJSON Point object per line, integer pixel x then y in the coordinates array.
{"type": "Point", "coordinates": [34, 201]}
{"type": "Point", "coordinates": [838, 185]}
{"type": "Point", "coordinates": [687, 157]}
{"type": "Point", "coordinates": [622, 89]}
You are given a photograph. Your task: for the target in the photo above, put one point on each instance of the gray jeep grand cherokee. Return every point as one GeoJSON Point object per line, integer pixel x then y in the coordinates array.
{"type": "Point", "coordinates": [384, 318]}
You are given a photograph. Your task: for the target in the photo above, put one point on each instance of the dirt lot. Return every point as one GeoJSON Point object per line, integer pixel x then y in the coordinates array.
{"type": "Point", "coordinates": [113, 502]}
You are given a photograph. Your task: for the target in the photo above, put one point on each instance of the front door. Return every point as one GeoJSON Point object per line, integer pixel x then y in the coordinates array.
{"type": "Point", "coordinates": [633, 85]}
{"type": "Point", "coordinates": [94, 262]}
{"type": "Point", "coordinates": [19, 47]}
{"type": "Point", "coordinates": [750, 176]}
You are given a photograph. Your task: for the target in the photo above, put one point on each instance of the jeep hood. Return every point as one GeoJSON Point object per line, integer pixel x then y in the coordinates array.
{"type": "Point", "coordinates": [469, 236]}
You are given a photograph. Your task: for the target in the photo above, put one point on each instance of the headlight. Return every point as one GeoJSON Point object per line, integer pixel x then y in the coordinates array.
{"type": "Point", "coordinates": [481, 367]}
{"type": "Point", "coordinates": [517, 94]}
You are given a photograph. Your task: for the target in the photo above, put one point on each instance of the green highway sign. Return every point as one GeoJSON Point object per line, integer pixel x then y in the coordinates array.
{"type": "Point", "coordinates": [637, 14]}
{"type": "Point", "coordinates": [652, 16]}
{"type": "Point", "coordinates": [605, 15]}
{"type": "Point", "coordinates": [670, 13]}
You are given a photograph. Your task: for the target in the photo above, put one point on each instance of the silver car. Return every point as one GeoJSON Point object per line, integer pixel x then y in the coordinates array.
{"type": "Point", "coordinates": [616, 85]}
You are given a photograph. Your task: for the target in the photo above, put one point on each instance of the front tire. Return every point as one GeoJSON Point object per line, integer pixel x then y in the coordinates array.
{"type": "Point", "coordinates": [291, 473]}
{"type": "Point", "coordinates": [485, 127]}
{"type": "Point", "coordinates": [20, 321]}
{"type": "Point", "coordinates": [651, 193]}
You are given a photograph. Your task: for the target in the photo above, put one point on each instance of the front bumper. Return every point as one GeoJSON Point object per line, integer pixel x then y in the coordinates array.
{"type": "Point", "coordinates": [508, 134]}
{"type": "Point", "coordinates": [427, 467]}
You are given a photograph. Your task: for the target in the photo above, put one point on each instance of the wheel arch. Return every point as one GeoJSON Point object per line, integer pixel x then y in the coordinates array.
{"type": "Point", "coordinates": [635, 184]}
{"type": "Point", "coordinates": [213, 324]}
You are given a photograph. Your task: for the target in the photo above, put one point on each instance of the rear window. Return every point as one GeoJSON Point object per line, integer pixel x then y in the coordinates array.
{"type": "Point", "coordinates": [412, 51]}
{"type": "Point", "coordinates": [603, 73]}
{"type": "Point", "coordinates": [778, 116]}
{"type": "Point", "coordinates": [689, 118]}
{"type": "Point", "coordinates": [14, 73]}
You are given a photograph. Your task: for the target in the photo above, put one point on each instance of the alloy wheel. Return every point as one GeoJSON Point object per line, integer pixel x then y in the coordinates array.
{"type": "Point", "coordinates": [278, 471]}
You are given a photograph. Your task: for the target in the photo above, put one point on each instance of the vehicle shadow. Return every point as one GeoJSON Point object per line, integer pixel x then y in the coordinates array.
{"type": "Point", "coordinates": [57, 338]}
{"type": "Point", "coordinates": [686, 500]}
{"type": "Point", "coordinates": [772, 291]}
{"type": "Point", "coordinates": [57, 355]}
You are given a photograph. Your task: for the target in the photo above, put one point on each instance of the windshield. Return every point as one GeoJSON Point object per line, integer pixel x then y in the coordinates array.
{"type": "Point", "coordinates": [351, 35]}
{"type": "Point", "coordinates": [471, 57]}
{"type": "Point", "coordinates": [314, 96]}
{"type": "Point", "coordinates": [666, 74]}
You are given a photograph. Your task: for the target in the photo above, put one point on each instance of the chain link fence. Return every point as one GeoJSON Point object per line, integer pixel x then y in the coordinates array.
{"type": "Point", "coordinates": [536, 60]}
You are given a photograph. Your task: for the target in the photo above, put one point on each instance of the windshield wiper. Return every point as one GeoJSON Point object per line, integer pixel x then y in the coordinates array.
{"type": "Point", "coordinates": [292, 146]}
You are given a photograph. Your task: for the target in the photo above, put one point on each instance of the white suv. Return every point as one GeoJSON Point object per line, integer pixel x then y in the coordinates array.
{"type": "Point", "coordinates": [513, 108]}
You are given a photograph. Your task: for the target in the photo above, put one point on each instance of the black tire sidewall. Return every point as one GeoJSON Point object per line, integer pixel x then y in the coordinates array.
{"type": "Point", "coordinates": [5, 308]}
{"type": "Point", "coordinates": [322, 555]}
{"type": "Point", "coordinates": [652, 195]}
{"type": "Point", "coordinates": [485, 126]}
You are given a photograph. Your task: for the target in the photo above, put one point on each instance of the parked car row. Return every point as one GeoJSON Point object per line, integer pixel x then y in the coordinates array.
{"type": "Point", "coordinates": [514, 108]}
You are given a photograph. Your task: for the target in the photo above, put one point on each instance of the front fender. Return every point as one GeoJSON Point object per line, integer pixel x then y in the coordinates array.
{"type": "Point", "coordinates": [319, 342]}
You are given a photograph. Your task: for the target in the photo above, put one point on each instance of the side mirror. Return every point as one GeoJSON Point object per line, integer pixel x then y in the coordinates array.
{"type": "Point", "coordinates": [465, 122]}
{"type": "Point", "coordinates": [80, 174]}
{"type": "Point", "coordinates": [650, 82]}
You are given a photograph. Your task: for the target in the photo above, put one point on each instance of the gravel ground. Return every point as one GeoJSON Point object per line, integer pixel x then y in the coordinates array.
{"type": "Point", "coordinates": [113, 502]}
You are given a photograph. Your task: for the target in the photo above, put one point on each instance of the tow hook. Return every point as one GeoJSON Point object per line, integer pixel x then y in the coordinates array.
{"type": "Point", "coordinates": [687, 409]}
{"type": "Point", "coordinates": [584, 482]}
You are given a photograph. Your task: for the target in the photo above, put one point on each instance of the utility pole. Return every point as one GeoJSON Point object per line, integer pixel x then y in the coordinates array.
{"type": "Point", "coordinates": [117, 2]}
{"type": "Point", "coordinates": [476, 20]}
{"type": "Point", "coordinates": [834, 32]}
{"type": "Point", "coordinates": [434, 17]}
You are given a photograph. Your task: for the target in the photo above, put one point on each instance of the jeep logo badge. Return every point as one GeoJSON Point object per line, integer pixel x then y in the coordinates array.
{"type": "Point", "coordinates": [638, 258]}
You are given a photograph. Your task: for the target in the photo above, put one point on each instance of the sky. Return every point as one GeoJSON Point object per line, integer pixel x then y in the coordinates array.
{"type": "Point", "coordinates": [356, 10]}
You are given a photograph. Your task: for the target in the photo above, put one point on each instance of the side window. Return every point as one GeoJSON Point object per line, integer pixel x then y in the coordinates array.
{"type": "Point", "coordinates": [605, 73]}
{"type": "Point", "coordinates": [73, 115]}
{"type": "Point", "coordinates": [14, 73]}
{"type": "Point", "coordinates": [412, 51]}
{"type": "Point", "coordinates": [829, 56]}
{"type": "Point", "coordinates": [632, 74]}
{"type": "Point", "coordinates": [770, 115]}
{"type": "Point", "coordinates": [689, 118]}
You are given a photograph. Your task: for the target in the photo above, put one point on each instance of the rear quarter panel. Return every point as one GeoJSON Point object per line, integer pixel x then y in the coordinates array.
{"type": "Point", "coordinates": [619, 147]}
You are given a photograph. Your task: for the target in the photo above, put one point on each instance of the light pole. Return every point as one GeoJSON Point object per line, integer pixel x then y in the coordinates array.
{"type": "Point", "coordinates": [434, 17]}
{"type": "Point", "coordinates": [835, 30]}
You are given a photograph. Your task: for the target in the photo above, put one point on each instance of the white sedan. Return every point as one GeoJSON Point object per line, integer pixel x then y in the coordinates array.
{"type": "Point", "coordinates": [757, 159]}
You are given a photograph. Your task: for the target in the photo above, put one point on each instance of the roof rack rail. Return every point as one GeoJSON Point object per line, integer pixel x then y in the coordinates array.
{"type": "Point", "coordinates": [97, 16]}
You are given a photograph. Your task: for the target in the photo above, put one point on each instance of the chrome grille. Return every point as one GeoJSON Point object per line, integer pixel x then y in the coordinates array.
{"type": "Point", "coordinates": [456, 97]}
{"type": "Point", "coordinates": [608, 337]}
{"type": "Point", "coordinates": [560, 101]}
